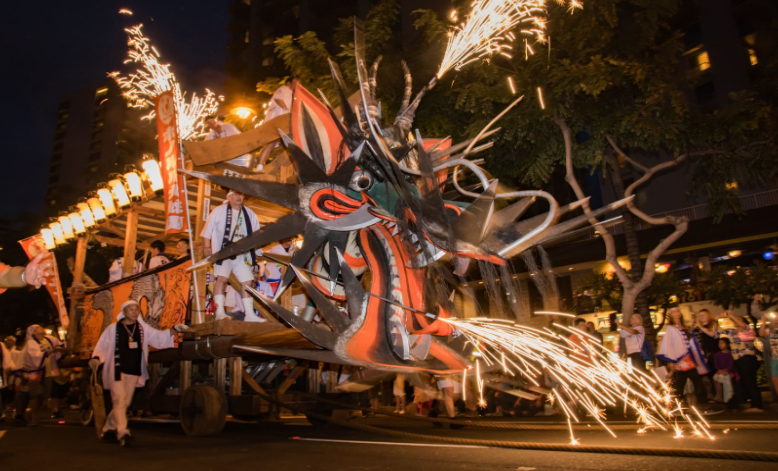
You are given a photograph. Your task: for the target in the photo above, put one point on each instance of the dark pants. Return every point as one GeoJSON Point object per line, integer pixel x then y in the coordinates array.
{"type": "Point", "coordinates": [679, 382]}
{"type": "Point", "coordinates": [637, 361]}
{"type": "Point", "coordinates": [746, 367]}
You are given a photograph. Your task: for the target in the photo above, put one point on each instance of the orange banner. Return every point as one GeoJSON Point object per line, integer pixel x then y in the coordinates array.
{"type": "Point", "coordinates": [32, 247]}
{"type": "Point", "coordinates": [162, 293]}
{"type": "Point", "coordinates": [169, 160]}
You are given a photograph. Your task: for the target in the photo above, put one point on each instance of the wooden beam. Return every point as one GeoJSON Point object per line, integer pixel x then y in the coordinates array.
{"type": "Point", "coordinates": [130, 242]}
{"type": "Point", "coordinates": [252, 384]}
{"type": "Point", "coordinates": [155, 213]}
{"type": "Point", "coordinates": [289, 381]}
{"type": "Point", "coordinates": [167, 379]}
{"type": "Point", "coordinates": [236, 378]}
{"type": "Point", "coordinates": [78, 278]}
{"type": "Point", "coordinates": [227, 148]}
{"type": "Point", "coordinates": [120, 242]}
{"type": "Point", "coordinates": [198, 276]}
{"type": "Point", "coordinates": [220, 373]}
{"type": "Point", "coordinates": [109, 227]}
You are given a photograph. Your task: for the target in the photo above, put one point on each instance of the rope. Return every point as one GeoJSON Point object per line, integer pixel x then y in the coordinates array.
{"type": "Point", "coordinates": [531, 427]}
{"type": "Point", "coordinates": [619, 450]}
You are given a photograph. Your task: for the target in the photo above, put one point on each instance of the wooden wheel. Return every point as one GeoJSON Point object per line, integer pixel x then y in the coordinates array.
{"type": "Point", "coordinates": [203, 411]}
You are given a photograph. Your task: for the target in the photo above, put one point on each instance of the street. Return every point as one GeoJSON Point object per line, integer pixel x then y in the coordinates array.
{"type": "Point", "coordinates": [293, 444]}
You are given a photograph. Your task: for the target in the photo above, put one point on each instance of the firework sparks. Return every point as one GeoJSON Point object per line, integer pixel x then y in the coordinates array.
{"type": "Point", "coordinates": [488, 30]}
{"type": "Point", "coordinates": [125, 11]}
{"type": "Point", "coordinates": [153, 78]}
{"type": "Point", "coordinates": [587, 383]}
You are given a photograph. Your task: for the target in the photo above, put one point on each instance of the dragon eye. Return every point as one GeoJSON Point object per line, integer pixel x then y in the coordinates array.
{"type": "Point", "coordinates": [361, 180]}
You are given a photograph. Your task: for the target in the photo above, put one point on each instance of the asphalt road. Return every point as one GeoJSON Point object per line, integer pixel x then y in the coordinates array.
{"type": "Point", "coordinates": [293, 444]}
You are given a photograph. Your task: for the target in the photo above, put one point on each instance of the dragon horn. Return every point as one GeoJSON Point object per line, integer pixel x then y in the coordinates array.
{"type": "Point", "coordinates": [373, 80]}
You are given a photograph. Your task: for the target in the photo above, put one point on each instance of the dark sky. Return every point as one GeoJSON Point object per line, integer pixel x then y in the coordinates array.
{"type": "Point", "coordinates": [52, 48]}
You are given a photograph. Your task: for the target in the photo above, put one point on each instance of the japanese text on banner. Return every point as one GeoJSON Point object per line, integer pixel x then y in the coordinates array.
{"type": "Point", "coordinates": [174, 192]}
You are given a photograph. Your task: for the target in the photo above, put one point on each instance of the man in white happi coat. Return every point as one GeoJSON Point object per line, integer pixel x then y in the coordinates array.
{"type": "Point", "coordinates": [226, 225]}
{"type": "Point", "coordinates": [123, 350]}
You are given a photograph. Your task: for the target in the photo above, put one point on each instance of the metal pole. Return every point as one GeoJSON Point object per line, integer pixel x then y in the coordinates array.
{"type": "Point", "coordinates": [197, 316]}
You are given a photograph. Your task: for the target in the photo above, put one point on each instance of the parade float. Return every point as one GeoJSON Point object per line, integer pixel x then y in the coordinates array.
{"type": "Point", "coordinates": [385, 249]}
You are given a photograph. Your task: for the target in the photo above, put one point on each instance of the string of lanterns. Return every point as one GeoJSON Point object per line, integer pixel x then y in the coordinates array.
{"type": "Point", "coordinates": [105, 203]}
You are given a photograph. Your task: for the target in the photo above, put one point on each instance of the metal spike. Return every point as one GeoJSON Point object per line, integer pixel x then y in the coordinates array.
{"type": "Point", "coordinates": [320, 337]}
{"type": "Point", "coordinates": [335, 319]}
{"type": "Point", "coordinates": [282, 194]}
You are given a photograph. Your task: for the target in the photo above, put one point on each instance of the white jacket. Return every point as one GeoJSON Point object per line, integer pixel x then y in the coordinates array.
{"type": "Point", "coordinates": [106, 349]}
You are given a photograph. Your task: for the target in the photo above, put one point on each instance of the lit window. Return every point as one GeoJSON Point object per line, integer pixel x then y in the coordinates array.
{"type": "Point", "coordinates": [267, 61]}
{"type": "Point", "coordinates": [702, 61]}
{"type": "Point", "coordinates": [752, 57]}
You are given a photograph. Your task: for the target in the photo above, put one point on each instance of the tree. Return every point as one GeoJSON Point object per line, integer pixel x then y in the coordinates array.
{"type": "Point", "coordinates": [615, 94]}
{"type": "Point", "coordinates": [732, 288]}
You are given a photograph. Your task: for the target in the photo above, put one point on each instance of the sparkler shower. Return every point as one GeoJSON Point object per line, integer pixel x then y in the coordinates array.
{"type": "Point", "coordinates": [153, 78]}
{"type": "Point", "coordinates": [488, 30]}
{"type": "Point", "coordinates": [591, 380]}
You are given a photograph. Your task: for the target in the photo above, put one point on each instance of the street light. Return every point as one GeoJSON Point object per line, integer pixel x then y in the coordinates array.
{"type": "Point", "coordinates": [75, 219]}
{"type": "Point", "coordinates": [97, 209]}
{"type": "Point", "coordinates": [67, 226]}
{"type": "Point", "coordinates": [86, 214]}
{"type": "Point", "coordinates": [118, 191]}
{"type": "Point", "coordinates": [152, 174]}
{"type": "Point", "coordinates": [106, 198]}
{"type": "Point", "coordinates": [134, 184]}
{"type": "Point", "coordinates": [243, 112]}
{"type": "Point", "coordinates": [48, 239]}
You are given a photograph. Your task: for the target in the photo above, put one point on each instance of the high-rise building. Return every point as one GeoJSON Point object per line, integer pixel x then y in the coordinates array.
{"type": "Point", "coordinates": [96, 134]}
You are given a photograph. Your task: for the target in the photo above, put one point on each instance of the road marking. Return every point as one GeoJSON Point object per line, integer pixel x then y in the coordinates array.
{"type": "Point", "coordinates": [363, 442]}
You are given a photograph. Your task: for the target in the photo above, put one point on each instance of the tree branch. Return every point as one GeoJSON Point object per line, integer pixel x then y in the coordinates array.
{"type": "Point", "coordinates": [610, 245]}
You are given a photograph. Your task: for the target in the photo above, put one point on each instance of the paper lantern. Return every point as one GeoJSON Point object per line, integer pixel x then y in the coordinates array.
{"type": "Point", "coordinates": [106, 199]}
{"type": "Point", "coordinates": [48, 239]}
{"type": "Point", "coordinates": [153, 175]}
{"type": "Point", "coordinates": [67, 227]}
{"type": "Point", "coordinates": [119, 193]}
{"type": "Point", "coordinates": [134, 185]}
{"type": "Point", "coordinates": [86, 214]}
{"type": "Point", "coordinates": [59, 236]}
{"type": "Point", "coordinates": [77, 222]}
{"type": "Point", "coordinates": [97, 210]}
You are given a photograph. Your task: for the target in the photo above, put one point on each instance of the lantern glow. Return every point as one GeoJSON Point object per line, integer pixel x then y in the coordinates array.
{"type": "Point", "coordinates": [106, 198]}
{"type": "Point", "coordinates": [77, 223]}
{"type": "Point", "coordinates": [97, 209]}
{"type": "Point", "coordinates": [134, 185]}
{"type": "Point", "coordinates": [67, 227]}
{"type": "Point", "coordinates": [59, 236]}
{"type": "Point", "coordinates": [86, 214]}
{"type": "Point", "coordinates": [119, 193]}
{"type": "Point", "coordinates": [48, 239]}
{"type": "Point", "coordinates": [153, 175]}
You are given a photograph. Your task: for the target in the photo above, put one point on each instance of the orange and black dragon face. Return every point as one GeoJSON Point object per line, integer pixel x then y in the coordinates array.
{"type": "Point", "coordinates": [381, 238]}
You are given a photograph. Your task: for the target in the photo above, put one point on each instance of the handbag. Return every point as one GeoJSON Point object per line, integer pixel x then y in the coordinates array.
{"type": "Point", "coordinates": [646, 352]}
{"type": "Point", "coordinates": [686, 363]}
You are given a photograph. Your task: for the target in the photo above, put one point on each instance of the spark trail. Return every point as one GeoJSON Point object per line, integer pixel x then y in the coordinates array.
{"type": "Point", "coordinates": [588, 380]}
{"type": "Point", "coordinates": [153, 78]}
{"type": "Point", "coordinates": [488, 30]}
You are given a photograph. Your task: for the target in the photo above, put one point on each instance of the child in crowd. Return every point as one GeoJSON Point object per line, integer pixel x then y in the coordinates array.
{"type": "Point", "coordinates": [726, 375]}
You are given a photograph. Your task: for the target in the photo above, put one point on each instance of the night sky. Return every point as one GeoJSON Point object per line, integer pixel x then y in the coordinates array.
{"type": "Point", "coordinates": [52, 48]}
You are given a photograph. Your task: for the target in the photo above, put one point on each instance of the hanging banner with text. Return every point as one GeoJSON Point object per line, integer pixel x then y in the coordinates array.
{"type": "Point", "coordinates": [169, 160]}
{"type": "Point", "coordinates": [32, 247]}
